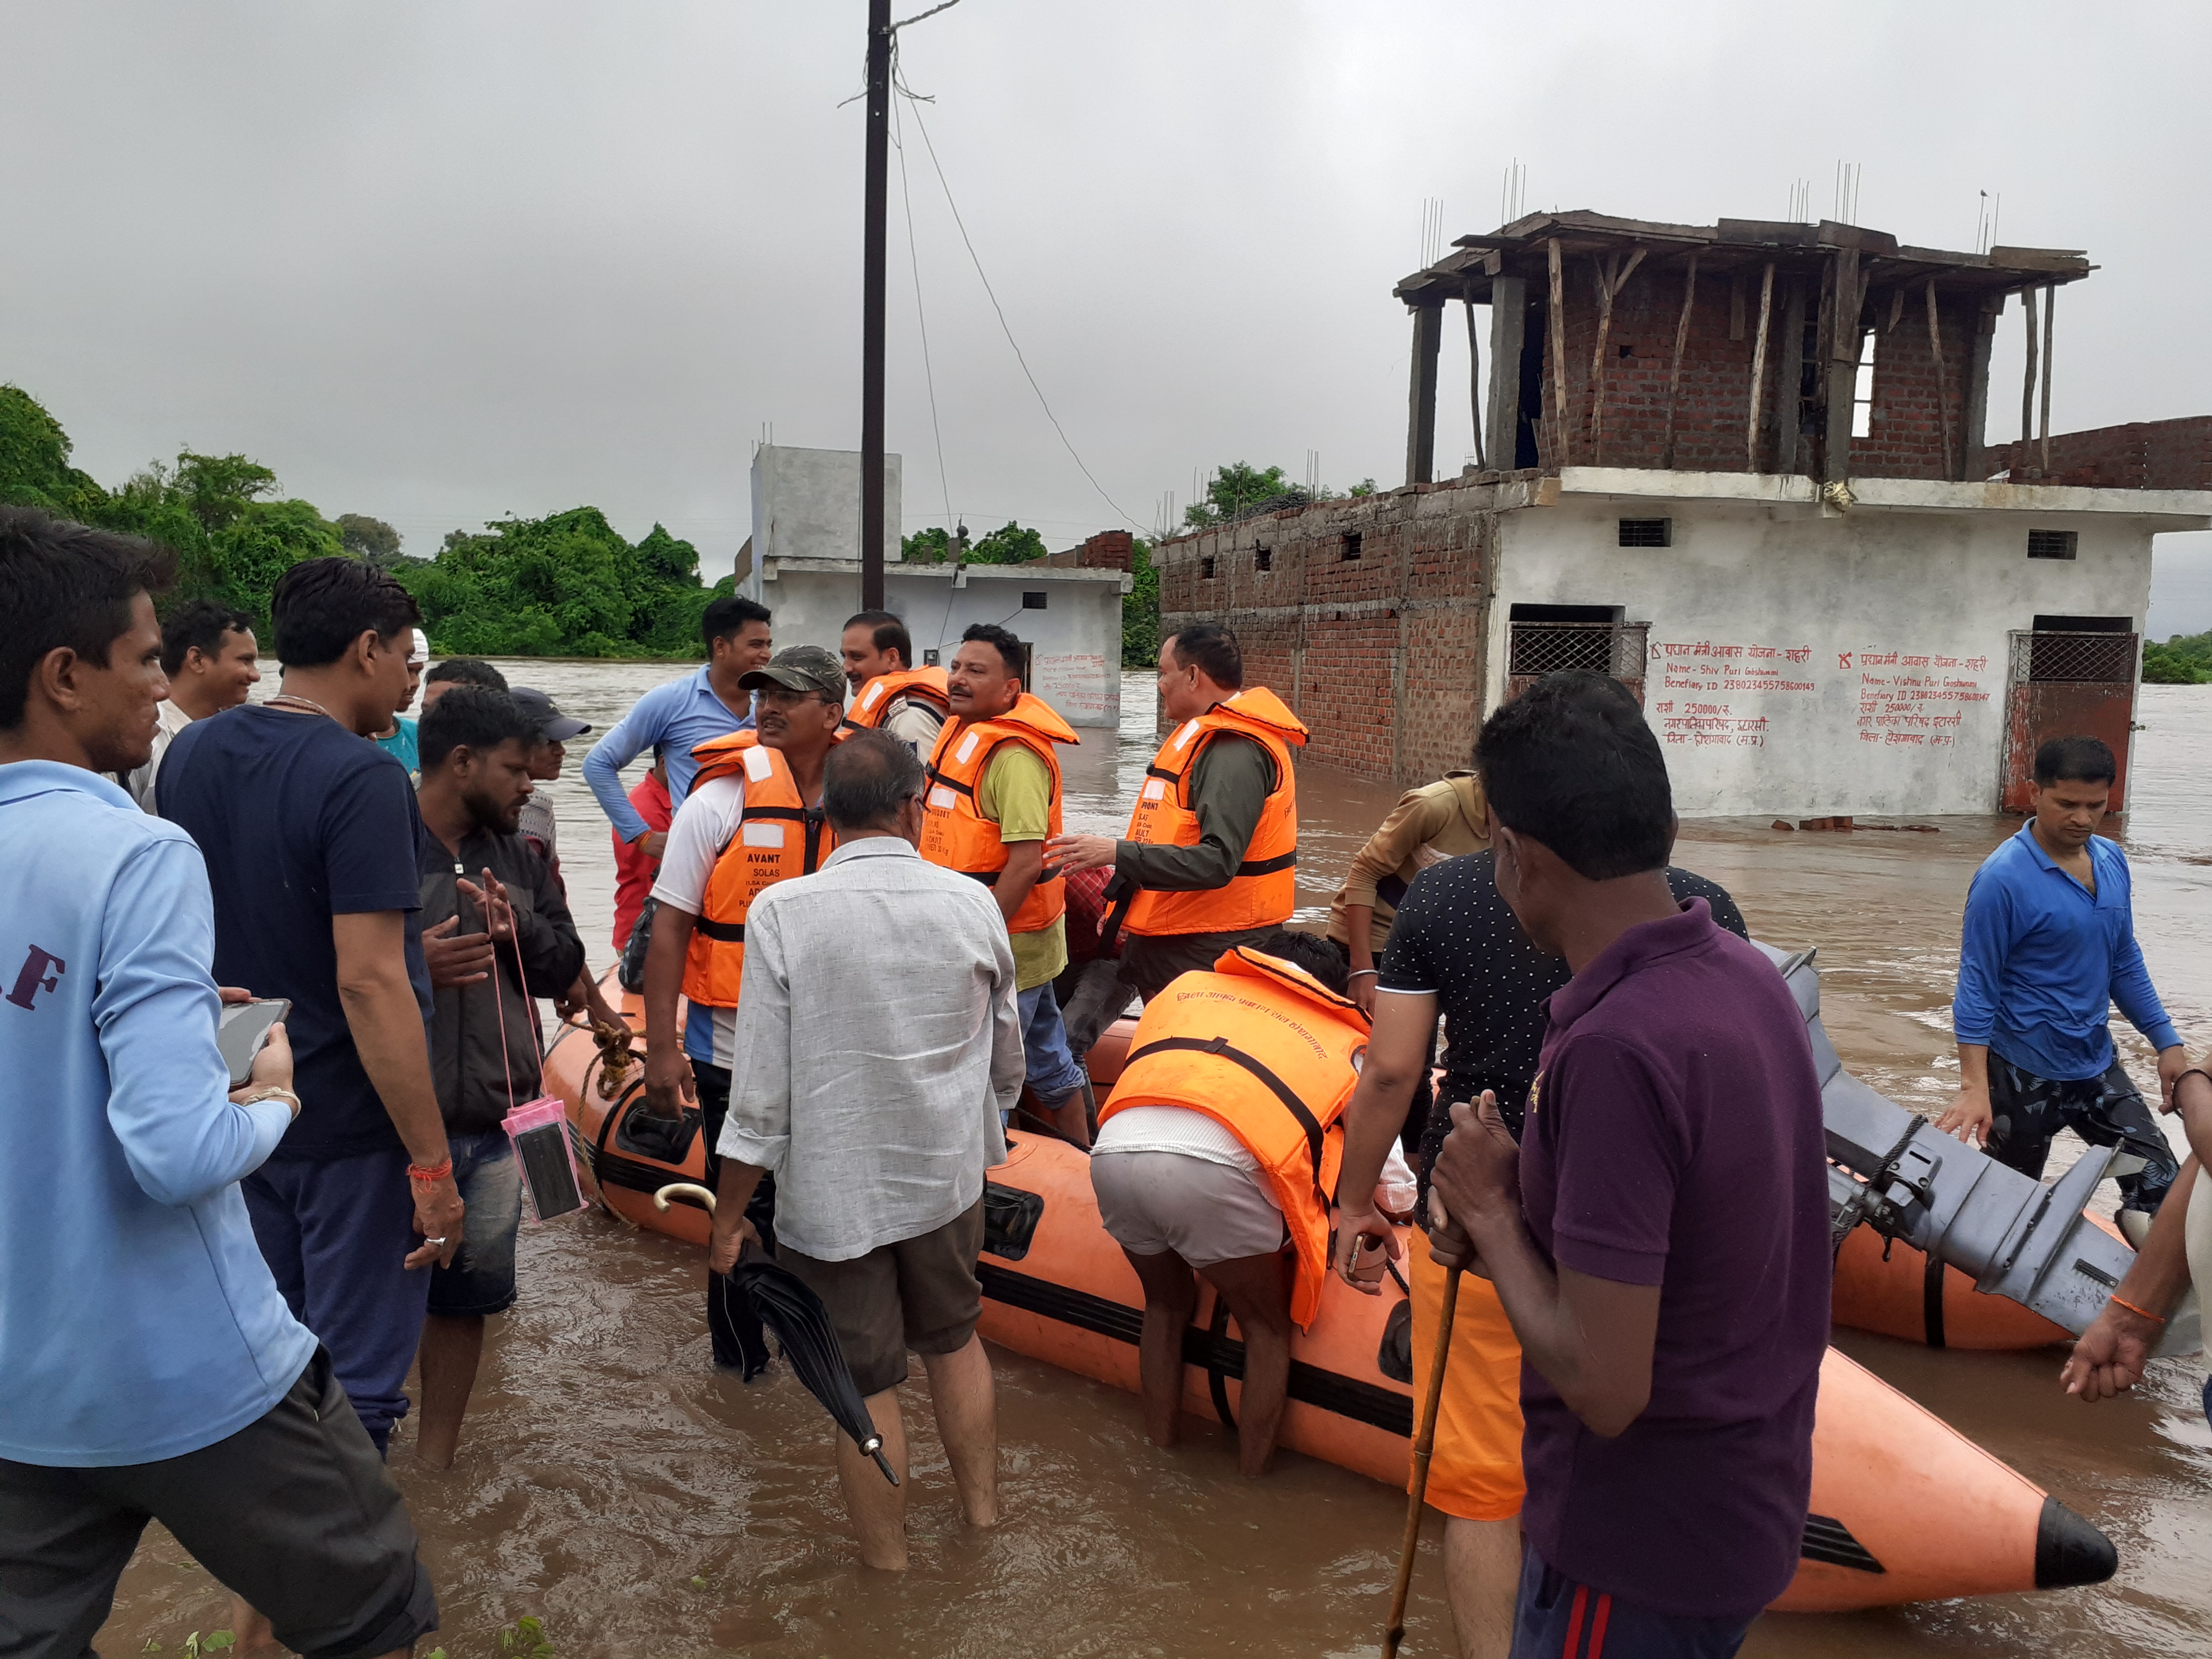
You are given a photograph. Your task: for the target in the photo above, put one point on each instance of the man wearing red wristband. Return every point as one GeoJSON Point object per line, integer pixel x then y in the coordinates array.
{"type": "Point", "coordinates": [311, 834]}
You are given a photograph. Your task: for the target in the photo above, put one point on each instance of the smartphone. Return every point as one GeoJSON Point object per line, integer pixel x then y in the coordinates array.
{"type": "Point", "coordinates": [243, 1032]}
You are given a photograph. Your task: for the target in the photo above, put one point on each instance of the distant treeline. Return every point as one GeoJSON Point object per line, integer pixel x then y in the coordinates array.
{"type": "Point", "coordinates": [2183, 660]}
{"type": "Point", "coordinates": [563, 585]}
{"type": "Point", "coordinates": [566, 585]}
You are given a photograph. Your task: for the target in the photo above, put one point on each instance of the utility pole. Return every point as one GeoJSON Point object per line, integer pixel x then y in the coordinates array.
{"type": "Point", "coordinates": [871, 306]}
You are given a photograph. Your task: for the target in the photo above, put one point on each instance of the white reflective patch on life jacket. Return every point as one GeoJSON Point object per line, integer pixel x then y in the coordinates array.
{"type": "Point", "coordinates": [760, 832]}
{"type": "Point", "coordinates": [758, 767]}
{"type": "Point", "coordinates": [1190, 731]}
{"type": "Point", "coordinates": [873, 694]}
{"type": "Point", "coordinates": [942, 800]}
{"type": "Point", "coordinates": [1155, 787]}
{"type": "Point", "coordinates": [966, 751]}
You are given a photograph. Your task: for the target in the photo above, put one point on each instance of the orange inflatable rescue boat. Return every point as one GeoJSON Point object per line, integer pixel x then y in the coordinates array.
{"type": "Point", "coordinates": [1904, 1508]}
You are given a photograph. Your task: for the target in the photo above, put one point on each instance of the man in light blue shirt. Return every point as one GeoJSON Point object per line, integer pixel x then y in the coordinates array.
{"type": "Point", "coordinates": [676, 718]}
{"type": "Point", "coordinates": [153, 1369]}
{"type": "Point", "coordinates": [2049, 945]}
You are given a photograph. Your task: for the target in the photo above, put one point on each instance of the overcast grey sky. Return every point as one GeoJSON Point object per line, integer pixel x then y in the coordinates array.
{"type": "Point", "coordinates": [439, 262]}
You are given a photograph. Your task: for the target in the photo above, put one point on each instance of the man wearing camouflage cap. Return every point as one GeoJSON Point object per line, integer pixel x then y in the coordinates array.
{"type": "Point", "coordinates": [753, 818]}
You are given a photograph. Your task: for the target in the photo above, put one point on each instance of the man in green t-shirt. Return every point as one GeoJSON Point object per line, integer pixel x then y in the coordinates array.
{"type": "Point", "coordinates": [992, 802]}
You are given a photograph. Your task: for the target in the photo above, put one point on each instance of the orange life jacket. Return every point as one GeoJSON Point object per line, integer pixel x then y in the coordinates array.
{"type": "Point", "coordinates": [778, 837]}
{"type": "Point", "coordinates": [1264, 890]}
{"type": "Point", "coordinates": [1262, 1048]}
{"type": "Point", "coordinates": [957, 837]}
{"type": "Point", "coordinates": [877, 696]}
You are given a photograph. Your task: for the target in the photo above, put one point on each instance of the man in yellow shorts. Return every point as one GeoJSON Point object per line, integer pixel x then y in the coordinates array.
{"type": "Point", "coordinates": [1455, 950]}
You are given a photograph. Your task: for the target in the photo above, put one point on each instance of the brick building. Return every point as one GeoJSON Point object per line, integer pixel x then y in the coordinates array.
{"type": "Point", "coordinates": [1743, 469]}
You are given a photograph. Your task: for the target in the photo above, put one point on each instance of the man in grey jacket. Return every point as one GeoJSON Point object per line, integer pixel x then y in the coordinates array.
{"type": "Point", "coordinates": [497, 933]}
{"type": "Point", "coordinates": [874, 1099]}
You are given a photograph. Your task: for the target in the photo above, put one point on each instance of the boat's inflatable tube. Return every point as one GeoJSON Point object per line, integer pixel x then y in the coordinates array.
{"type": "Point", "coordinates": [1882, 1284]}
{"type": "Point", "coordinates": [1904, 1507]}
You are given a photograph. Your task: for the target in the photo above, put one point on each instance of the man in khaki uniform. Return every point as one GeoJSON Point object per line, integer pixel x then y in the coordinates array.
{"type": "Point", "coordinates": [1439, 821]}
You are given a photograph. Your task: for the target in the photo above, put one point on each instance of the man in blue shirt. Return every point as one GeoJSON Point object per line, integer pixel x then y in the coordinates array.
{"type": "Point", "coordinates": [2048, 946]}
{"type": "Point", "coordinates": [153, 1369]}
{"type": "Point", "coordinates": [676, 718]}
{"type": "Point", "coordinates": [312, 838]}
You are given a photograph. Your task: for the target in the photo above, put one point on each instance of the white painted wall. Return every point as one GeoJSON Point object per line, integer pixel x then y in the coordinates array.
{"type": "Point", "coordinates": [1077, 636]}
{"type": "Point", "coordinates": [807, 505]}
{"type": "Point", "coordinates": [1806, 714]}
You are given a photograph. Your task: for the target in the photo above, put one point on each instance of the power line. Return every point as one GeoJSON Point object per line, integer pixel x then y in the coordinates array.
{"type": "Point", "coordinates": [922, 127]}
{"type": "Point", "coordinates": [928, 374]}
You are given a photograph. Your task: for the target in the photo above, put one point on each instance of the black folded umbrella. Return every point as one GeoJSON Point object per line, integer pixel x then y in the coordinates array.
{"type": "Point", "coordinates": [783, 1303]}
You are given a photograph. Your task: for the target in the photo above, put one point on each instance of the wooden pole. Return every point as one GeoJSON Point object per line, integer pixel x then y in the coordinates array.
{"type": "Point", "coordinates": [2050, 312]}
{"type": "Point", "coordinates": [1943, 377]}
{"type": "Point", "coordinates": [1555, 324]}
{"type": "Point", "coordinates": [1675, 369]}
{"type": "Point", "coordinates": [1611, 278]}
{"type": "Point", "coordinates": [1474, 378]}
{"type": "Point", "coordinates": [2027, 380]}
{"type": "Point", "coordinates": [1425, 1445]}
{"type": "Point", "coordinates": [1759, 369]}
{"type": "Point", "coordinates": [872, 263]}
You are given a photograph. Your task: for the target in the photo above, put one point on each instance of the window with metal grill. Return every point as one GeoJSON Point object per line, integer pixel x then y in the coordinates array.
{"type": "Point", "coordinates": [1263, 560]}
{"type": "Point", "coordinates": [2081, 650]}
{"type": "Point", "coordinates": [1350, 545]}
{"type": "Point", "coordinates": [1034, 599]}
{"type": "Point", "coordinates": [2053, 543]}
{"type": "Point", "coordinates": [1647, 533]}
{"type": "Point", "coordinates": [1206, 570]}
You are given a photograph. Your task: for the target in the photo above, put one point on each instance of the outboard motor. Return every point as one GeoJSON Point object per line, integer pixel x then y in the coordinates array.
{"type": "Point", "coordinates": [1894, 1170]}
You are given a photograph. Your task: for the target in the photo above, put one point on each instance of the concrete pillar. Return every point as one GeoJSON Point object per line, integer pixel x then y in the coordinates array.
{"type": "Point", "coordinates": [1841, 350]}
{"type": "Point", "coordinates": [1972, 438]}
{"type": "Point", "coordinates": [1421, 411]}
{"type": "Point", "coordinates": [1509, 317]}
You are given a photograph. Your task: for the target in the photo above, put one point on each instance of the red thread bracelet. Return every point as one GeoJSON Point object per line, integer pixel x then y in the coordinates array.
{"type": "Point", "coordinates": [2140, 1313]}
{"type": "Point", "coordinates": [437, 1172]}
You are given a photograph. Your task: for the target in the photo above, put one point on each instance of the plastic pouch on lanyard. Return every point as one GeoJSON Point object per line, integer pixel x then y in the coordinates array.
{"type": "Point", "coordinates": [540, 1131]}
{"type": "Point", "coordinates": [537, 1129]}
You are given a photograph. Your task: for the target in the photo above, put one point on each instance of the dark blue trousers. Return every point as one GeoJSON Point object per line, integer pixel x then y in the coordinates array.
{"type": "Point", "coordinates": [1556, 1617]}
{"type": "Point", "coordinates": [334, 1235]}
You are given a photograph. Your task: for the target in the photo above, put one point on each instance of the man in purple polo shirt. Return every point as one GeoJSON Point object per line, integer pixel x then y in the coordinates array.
{"type": "Point", "coordinates": [1659, 1238]}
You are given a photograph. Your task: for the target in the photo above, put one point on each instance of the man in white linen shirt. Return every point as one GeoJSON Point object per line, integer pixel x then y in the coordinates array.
{"type": "Point", "coordinates": [874, 1099]}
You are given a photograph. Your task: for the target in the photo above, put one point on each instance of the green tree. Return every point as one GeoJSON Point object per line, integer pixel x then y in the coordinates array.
{"type": "Point", "coordinates": [368, 538]}
{"type": "Point", "coordinates": [35, 461]}
{"type": "Point", "coordinates": [565, 585]}
{"type": "Point", "coordinates": [2183, 660]}
{"type": "Point", "coordinates": [1140, 610]}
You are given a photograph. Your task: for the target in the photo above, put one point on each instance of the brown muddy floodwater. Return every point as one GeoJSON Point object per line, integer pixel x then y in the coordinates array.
{"type": "Point", "coordinates": [611, 1484]}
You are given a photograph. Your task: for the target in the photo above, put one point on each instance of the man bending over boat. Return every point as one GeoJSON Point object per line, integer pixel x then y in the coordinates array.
{"type": "Point", "coordinates": [1659, 1239]}
{"type": "Point", "coordinates": [874, 1100]}
{"type": "Point", "coordinates": [1200, 1166]}
{"type": "Point", "coordinates": [2048, 947]}
{"type": "Point", "coordinates": [154, 1372]}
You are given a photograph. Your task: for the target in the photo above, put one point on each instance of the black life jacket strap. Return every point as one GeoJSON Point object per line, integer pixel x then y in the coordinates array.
{"type": "Point", "coordinates": [1223, 1049]}
{"type": "Point", "coordinates": [722, 933]}
{"type": "Point", "coordinates": [1269, 867]}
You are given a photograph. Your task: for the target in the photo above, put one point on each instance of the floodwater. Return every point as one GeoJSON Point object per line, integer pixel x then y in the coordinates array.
{"type": "Point", "coordinates": [612, 1485]}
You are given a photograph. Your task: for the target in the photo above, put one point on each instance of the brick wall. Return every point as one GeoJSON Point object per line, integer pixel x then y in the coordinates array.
{"type": "Point", "coordinates": [2142, 455]}
{"type": "Point", "coordinates": [1109, 550]}
{"type": "Point", "coordinates": [1382, 656]}
{"type": "Point", "coordinates": [1712, 404]}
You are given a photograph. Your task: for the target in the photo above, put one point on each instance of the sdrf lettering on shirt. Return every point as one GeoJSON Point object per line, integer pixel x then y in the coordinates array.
{"type": "Point", "coordinates": [34, 978]}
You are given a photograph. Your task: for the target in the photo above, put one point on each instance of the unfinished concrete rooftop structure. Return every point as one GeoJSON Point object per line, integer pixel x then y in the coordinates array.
{"type": "Point", "coordinates": [1744, 469]}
